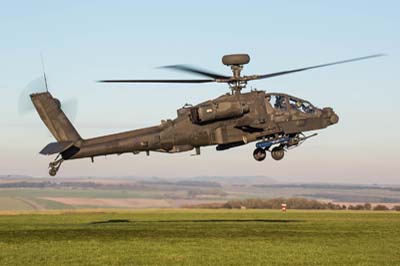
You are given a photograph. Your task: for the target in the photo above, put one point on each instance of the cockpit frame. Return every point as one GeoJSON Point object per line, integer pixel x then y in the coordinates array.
{"type": "Point", "coordinates": [286, 102]}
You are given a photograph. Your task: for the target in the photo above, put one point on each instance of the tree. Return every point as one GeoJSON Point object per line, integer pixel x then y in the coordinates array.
{"type": "Point", "coordinates": [396, 208]}
{"type": "Point", "coordinates": [367, 206]}
{"type": "Point", "coordinates": [380, 207]}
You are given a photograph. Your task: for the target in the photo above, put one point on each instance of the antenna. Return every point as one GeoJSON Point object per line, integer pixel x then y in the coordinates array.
{"type": "Point", "coordinates": [44, 72]}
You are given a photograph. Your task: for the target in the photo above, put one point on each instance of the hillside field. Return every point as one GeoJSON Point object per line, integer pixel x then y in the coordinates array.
{"type": "Point", "coordinates": [199, 237]}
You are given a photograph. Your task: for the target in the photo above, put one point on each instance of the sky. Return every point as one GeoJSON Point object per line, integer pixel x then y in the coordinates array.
{"type": "Point", "coordinates": [84, 41]}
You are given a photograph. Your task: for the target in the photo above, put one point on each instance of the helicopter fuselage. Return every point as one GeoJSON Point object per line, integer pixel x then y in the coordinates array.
{"type": "Point", "coordinates": [276, 121]}
{"type": "Point", "coordinates": [228, 121]}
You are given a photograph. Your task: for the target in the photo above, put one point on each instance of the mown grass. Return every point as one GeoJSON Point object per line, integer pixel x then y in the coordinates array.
{"type": "Point", "coordinates": [200, 237]}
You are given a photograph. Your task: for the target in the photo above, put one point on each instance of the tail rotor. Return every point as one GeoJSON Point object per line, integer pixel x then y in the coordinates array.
{"type": "Point", "coordinates": [38, 85]}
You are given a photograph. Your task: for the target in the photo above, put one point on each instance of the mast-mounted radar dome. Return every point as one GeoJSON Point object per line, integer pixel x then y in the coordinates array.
{"type": "Point", "coordinates": [235, 59]}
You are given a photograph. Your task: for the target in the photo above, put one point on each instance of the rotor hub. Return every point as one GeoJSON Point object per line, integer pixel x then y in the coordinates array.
{"type": "Point", "coordinates": [236, 62]}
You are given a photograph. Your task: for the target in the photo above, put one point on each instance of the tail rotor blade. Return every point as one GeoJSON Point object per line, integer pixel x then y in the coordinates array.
{"type": "Point", "coordinates": [70, 108]}
{"type": "Point", "coordinates": [25, 105]}
{"type": "Point", "coordinates": [24, 102]}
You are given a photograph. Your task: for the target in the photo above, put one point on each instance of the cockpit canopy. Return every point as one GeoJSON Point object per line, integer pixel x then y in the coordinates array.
{"type": "Point", "coordinates": [286, 102]}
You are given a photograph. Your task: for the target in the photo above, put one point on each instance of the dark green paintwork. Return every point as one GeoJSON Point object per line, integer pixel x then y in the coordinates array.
{"type": "Point", "coordinates": [228, 121]}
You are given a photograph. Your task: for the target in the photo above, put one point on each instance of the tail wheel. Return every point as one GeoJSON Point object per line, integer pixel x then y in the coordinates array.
{"type": "Point", "coordinates": [54, 166]}
{"type": "Point", "coordinates": [259, 154]}
{"type": "Point", "coordinates": [278, 153]}
{"type": "Point", "coordinates": [52, 171]}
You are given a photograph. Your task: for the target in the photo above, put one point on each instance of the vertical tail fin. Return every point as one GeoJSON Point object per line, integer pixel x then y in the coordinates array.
{"type": "Point", "coordinates": [56, 121]}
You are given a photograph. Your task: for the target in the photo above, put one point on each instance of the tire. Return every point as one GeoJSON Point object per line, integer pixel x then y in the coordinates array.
{"type": "Point", "coordinates": [277, 153]}
{"type": "Point", "coordinates": [259, 154]}
{"type": "Point", "coordinates": [52, 171]}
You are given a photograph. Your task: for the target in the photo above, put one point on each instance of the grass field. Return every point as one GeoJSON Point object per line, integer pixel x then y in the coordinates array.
{"type": "Point", "coordinates": [200, 237]}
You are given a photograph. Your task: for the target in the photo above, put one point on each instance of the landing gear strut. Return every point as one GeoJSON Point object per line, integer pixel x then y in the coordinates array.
{"type": "Point", "coordinates": [54, 166]}
{"type": "Point", "coordinates": [259, 154]}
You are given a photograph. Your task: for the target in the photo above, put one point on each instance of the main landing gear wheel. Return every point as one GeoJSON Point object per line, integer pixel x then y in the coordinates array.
{"type": "Point", "coordinates": [259, 154]}
{"type": "Point", "coordinates": [278, 153]}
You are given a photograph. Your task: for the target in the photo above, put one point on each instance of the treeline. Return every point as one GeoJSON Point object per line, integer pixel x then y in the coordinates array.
{"type": "Point", "coordinates": [291, 203]}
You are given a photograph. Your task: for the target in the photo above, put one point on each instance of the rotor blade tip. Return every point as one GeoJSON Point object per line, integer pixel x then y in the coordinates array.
{"type": "Point", "coordinates": [169, 66]}
{"type": "Point", "coordinates": [377, 55]}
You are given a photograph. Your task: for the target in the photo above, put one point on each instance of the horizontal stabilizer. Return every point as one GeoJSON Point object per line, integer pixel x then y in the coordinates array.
{"type": "Point", "coordinates": [56, 147]}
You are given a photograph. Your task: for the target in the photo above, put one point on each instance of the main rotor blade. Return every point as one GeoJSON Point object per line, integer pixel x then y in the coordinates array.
{"type": "Point", "coordinates": [195, 70]}
{"type": "Point", "coordinates": [157, 81]}
{"type": "Point", "coordinates": [311, 67]}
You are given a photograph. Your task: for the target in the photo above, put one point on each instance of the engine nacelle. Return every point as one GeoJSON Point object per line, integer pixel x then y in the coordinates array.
{"type": "Point", "coordinates": [218, 111]}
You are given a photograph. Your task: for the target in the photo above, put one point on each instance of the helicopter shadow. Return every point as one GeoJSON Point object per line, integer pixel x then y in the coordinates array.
{"type": "Point", "coordinates": [115, 221]}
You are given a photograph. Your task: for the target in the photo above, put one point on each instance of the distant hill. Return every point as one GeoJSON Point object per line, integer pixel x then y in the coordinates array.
{"type": "Point", "coordinates": [15, 177]}
{"type": "Point", "coordinates": [238, 180]}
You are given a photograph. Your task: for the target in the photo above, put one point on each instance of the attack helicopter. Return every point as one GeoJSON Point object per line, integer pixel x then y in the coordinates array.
{"type": "Point", "coordinates": [275, 121]}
